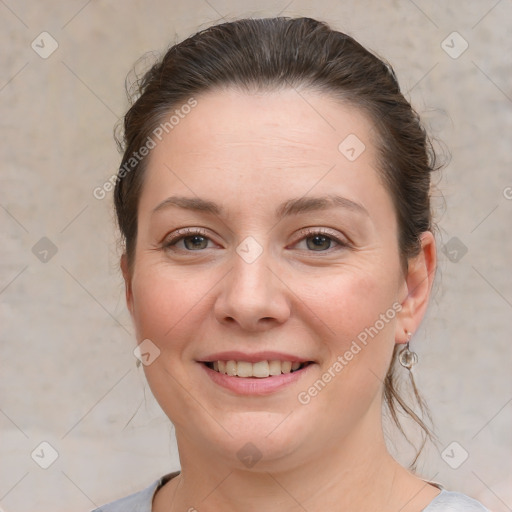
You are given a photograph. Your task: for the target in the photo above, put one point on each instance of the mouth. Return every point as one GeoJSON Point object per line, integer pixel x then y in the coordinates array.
{"type": "Point", "coordinates": [260, 369]}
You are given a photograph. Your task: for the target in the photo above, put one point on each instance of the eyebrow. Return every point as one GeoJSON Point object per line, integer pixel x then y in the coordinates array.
{"type": "Point", "coordinates": [294, 206]}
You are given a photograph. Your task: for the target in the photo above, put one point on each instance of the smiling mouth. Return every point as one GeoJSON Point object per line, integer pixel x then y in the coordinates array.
{"type": "Point", "coordinates": [261, 369]}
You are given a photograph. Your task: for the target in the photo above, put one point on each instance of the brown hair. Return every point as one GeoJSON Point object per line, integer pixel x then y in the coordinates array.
{"type": "Point", "coordinates": [277, 53]}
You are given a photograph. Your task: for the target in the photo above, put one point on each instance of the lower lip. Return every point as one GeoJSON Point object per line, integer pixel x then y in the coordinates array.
{"type": "Point", "coordinates": [255, 385]}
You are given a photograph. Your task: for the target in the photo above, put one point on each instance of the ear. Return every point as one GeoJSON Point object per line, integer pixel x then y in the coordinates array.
{"type": "Point", "coordinates": [417, 288]}
{"type": "Point", "coordinates": [127, 282]}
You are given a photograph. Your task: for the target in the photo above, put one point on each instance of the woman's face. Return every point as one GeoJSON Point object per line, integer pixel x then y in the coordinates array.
{"type": "Point", "coordinates": [295, 259]}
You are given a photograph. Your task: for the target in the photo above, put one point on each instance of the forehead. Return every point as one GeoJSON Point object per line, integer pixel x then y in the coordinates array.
{"type": "Point", "coordinates": [287, 141]}
{"type": "Point", "coordinates": [311, 123]}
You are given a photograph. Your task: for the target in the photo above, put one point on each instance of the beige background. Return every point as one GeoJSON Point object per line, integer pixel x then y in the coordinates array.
{"type": "Point", "coordinates": [67, 372]}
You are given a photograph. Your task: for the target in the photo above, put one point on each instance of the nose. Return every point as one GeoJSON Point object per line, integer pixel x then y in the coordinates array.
{"type": "Point", "coordinates": [252, 297]}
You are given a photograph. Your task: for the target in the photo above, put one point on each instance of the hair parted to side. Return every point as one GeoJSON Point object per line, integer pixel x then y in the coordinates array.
{"type": "Point", "coordinates": [302, 53]}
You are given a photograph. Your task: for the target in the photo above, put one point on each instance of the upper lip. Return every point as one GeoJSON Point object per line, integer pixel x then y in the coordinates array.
{"type": "Point", "coordinates": [235, 355]}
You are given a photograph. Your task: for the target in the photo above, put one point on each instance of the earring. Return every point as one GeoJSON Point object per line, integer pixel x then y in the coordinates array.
{"type": "Point", "coordinates": [406, 357]}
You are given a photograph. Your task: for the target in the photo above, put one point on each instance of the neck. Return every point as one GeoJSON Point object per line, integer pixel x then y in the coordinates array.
{"type": "Point", "coordinates": [356, 473]}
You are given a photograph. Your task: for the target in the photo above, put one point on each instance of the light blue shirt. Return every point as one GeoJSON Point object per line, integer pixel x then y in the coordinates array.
{"type": "Point", "coordinates": [446, 501]}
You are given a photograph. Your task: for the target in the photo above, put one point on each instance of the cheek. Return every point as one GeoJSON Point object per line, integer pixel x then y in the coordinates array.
{"type": "Point", "coordinates": [352, 301]}
{"type": "Point", "coordinates": [167, 306]}
{"type": "Point", "coordinates": [359, 311]}
{"type": "Point", "coordinates": [164, 302]}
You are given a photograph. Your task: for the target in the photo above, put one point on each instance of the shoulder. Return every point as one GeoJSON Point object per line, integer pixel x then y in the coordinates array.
{"type": "Point", "coordinates": [138, 502]}
{"type": "Point", "coordinates": [448, 501]}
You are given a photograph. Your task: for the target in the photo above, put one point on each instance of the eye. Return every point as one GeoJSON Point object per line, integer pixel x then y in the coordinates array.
{"type": "Point", "coordinates": [193, 240]}
{"type": "Point", "coordinates": [320, 240]}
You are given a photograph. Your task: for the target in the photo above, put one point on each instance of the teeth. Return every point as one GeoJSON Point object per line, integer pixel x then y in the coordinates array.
{"type": "Point", "coordinates": [231, 368]}
{"type": "Point", "coordinates": [286, 366]}
{"type": "Point", "coordinates": [274, 367]}
{"type": "Point", "coordinates": [260, 369]}
{"type": "Point", "coordinates": [243, 369]}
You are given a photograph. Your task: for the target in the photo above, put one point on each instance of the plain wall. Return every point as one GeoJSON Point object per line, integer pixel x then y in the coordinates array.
{"type": "Point", "coordinates": [67, 371]}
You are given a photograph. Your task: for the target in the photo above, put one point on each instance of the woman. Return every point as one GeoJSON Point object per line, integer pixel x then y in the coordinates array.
{"type": "Point", "coordinates": [274, 202]}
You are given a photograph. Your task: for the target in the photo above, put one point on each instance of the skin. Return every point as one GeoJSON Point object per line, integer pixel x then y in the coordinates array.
{"type": "Point", "coordinates": [250, 153]}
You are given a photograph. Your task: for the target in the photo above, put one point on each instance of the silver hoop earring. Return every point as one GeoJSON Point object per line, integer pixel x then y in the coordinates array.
{"type": "Point", "coordinates": [406, 357]}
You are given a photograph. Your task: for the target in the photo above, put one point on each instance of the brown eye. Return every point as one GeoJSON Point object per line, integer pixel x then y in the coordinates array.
{"type": "Point", "coordinates": [187, 240]}
{"type": "Point", "coordinates": [318, 242]}
{"type": "Point", "coordinates": [195, 242]}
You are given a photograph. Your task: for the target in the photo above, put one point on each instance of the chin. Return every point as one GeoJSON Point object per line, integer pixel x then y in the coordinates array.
{"type": "Point", "coordinates": [260, 440]}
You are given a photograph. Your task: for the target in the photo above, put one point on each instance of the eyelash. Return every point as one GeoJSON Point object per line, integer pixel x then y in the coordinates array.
{"type": "Point", "coordinates": [181, 234]}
